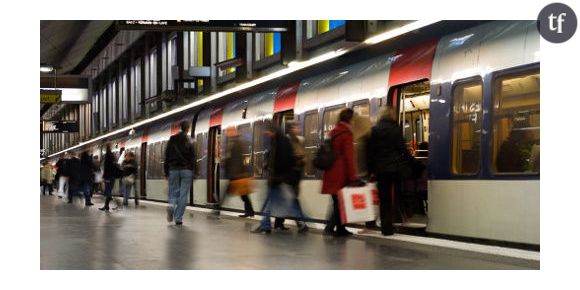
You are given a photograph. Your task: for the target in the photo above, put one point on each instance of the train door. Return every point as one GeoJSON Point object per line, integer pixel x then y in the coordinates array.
{"type": "Point", "coordinates": [143, 165]}
{"type": "Point", "coordinates": [281, 118]}
{"type": "Point", "coordinates": [412, 104]}
{"type": "Point", "coordinates": [214, 149]}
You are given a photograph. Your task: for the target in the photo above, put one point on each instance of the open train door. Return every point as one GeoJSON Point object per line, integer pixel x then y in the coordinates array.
{"type": "Point", "coordinates": [409, 95]}
{"type": "Point", "coordinates": [214, 158]}
{"type": "Point", "coordinates": [142, 167]}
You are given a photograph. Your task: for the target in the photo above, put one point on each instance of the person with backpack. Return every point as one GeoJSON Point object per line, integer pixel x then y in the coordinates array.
{"type": "Point", "coordinates": [342, 172]}
{"type": "Point", "coordinates": [179, 165]}
{"type": "Point", "coordinates": [387, 155]}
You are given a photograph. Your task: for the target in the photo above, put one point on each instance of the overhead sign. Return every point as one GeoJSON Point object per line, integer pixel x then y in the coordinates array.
{"type": "Point", "coordinates": [70, 95]}
{"type": "Point", "coordinates": [205, 25]}
{"type": "Point", "coordinates": [60, 126]}
{"type": "Point", "coordinates": [50, 96]}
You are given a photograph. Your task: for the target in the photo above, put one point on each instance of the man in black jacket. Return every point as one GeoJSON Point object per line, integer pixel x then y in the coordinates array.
{"type": "Point", "coordinates": [73, 167]}
{"type": "Point", "coordinates": [87, 170]}
{"type": "Point", "coordinates": [385, 154]}
{"type": "Point", "coordinates": [179, 165]}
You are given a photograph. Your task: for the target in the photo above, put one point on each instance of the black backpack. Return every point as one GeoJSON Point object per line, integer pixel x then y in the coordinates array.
{"type": "Point", "coordinates": [324, 158]}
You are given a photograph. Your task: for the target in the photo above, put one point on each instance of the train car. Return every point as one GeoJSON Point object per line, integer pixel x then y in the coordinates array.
{"type": "Point", "coordinates": [468, 105]}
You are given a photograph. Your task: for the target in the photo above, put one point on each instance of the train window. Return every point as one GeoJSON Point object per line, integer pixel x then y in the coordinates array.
{"type": "Point", "coordinates": [245, 132]}
{"type": "Point", "coordinates": [161, 160]}
{"type": "Point", "coordinates": [200, 154]}
{"type": "Point", "coordinates": [361, 127]}
{"type": "Point", "coordinates": [259, 146]}
{"type": "Point", "coordinates": [311, 141]}
{"type": "Point", "coordinates": [155, 160]}
{"type": "Point", "coordinates": [516, 124]}
{"type": "Point", "coordinates": [150, 158]}
{"type": "Point", "coordinates": [467, 112]}
{"type": "Point", "coordinates": [330, 118]}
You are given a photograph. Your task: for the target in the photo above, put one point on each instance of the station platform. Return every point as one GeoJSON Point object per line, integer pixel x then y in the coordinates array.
{"type": "Point", "coordinates": [73, 236]}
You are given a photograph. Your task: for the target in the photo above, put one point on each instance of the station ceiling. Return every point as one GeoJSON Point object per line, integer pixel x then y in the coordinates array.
{"type": "Point", "coordinates": [64, 43]}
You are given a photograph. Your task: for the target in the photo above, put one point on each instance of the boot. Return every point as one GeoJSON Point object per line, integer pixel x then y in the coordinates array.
{"type": "Point", "coordinates": [106, 207]}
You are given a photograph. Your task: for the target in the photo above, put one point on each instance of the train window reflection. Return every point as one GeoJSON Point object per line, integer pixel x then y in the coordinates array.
{"type": "Point", "coordinates": [245, 132]}
{"type": "Point", "coordinates": [311, 141]}
{"type": "Point", "coordinates": [361, 128]}
{"type": "Point", "coordinates": [467, 100]}
{"type": "Point", "coordinates": [516, 124]}
{"type": "Point", "coordinates": [330, 118]}
{"type": "Point", "coordinates": [259, 146]}
{"type": "Point", "coordinates": [201, 155]}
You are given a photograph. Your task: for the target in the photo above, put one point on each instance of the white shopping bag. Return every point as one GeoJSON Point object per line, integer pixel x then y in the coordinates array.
{"type": "Point", "coordinates": [356, 204]}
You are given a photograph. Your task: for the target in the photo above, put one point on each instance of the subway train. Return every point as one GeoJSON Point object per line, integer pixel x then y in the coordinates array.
{"type": "Point", "coordinates": [468, 105]}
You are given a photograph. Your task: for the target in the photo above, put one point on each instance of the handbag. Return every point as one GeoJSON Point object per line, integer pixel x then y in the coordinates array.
{"type": "Point", "coordinates": [129, 179]}
{"type": "Point", "coordinates": [241, 186]}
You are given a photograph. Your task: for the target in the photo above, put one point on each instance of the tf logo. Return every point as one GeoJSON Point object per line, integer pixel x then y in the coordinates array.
{"type": "Point", "coordinates": [557, 22]}
{"type": "Point", "coordinates": [358, 201]}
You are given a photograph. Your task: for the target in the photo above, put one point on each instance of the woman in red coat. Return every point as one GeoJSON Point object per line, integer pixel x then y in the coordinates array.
{"type": "Point", "coordinates": [342, 172]}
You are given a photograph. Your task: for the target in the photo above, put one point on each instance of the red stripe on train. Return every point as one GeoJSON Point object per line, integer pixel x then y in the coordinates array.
{"type": "Point", "coordinates": [216, 117]}
{"type": "Point", "coordinates": [412, 64]}
{"type": "Point", "coordinates": [286, 97]}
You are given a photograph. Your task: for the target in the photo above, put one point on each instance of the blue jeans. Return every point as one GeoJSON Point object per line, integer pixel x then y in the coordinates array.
{"type": "Point", "coordinates": [280, 204]}
{"type": "Point", "coordinates": [126, 187]}
{"type": "Point", "coordinates": [180, 181]}
{"type": "Point", "coordinates": [86, 189]}
{"type": "Point", "coordinates": [109, 188]}
{"type": "Point", "coordinates": [266, 224]}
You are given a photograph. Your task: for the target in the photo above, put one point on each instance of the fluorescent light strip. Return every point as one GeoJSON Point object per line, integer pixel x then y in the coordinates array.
{"type": "Point", "coordinates": [399, 31]}
{"type": "Point", "coordinates": [292, 67]}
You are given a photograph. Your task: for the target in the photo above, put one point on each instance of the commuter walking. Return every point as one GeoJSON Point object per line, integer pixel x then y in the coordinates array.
{"type": "Point", "coordinates": [295, 174]}
{"type": "Point", "coordinates": [74, 181]}
{"type": "Point", "coordinates": [236, 172]}
{"type": "Point", "coordinates": [179, 165]}
{"type": "Point", "coordinates": [46, 177]}
{"type": "Point", "coordinates": [62, 175]}
{"type": "Point", "coordinates": [98, 176]}
{"type": "Point", "coordinates": [129, 167]}
{"type": "Point", "coordinates": [279, 165]}
{"type": "Point", "coordinates": [87, 171]}
{"type": "Point", "coordinates": [342, 172]}
{"type": "Point", "coordinates": [387, 155]}
{"type": "Point", "coordinates": [111, 172]}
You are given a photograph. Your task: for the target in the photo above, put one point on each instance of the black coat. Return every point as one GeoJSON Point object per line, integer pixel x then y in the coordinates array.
{"type": "Point", "coordinates": [74, 166]}
{"type": "Point", "coordinates": [111, 170]}
{"type": "Point", "coordinates": [386, 148]}
{"type": "Point", "coordinates": [180, 153]}
{"type": "Point", "coordinates": [87, 168]}
{"type": "Point", "coordinates": [61, 168]}
{"type": "Point", "coordinates": [280, 159]}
